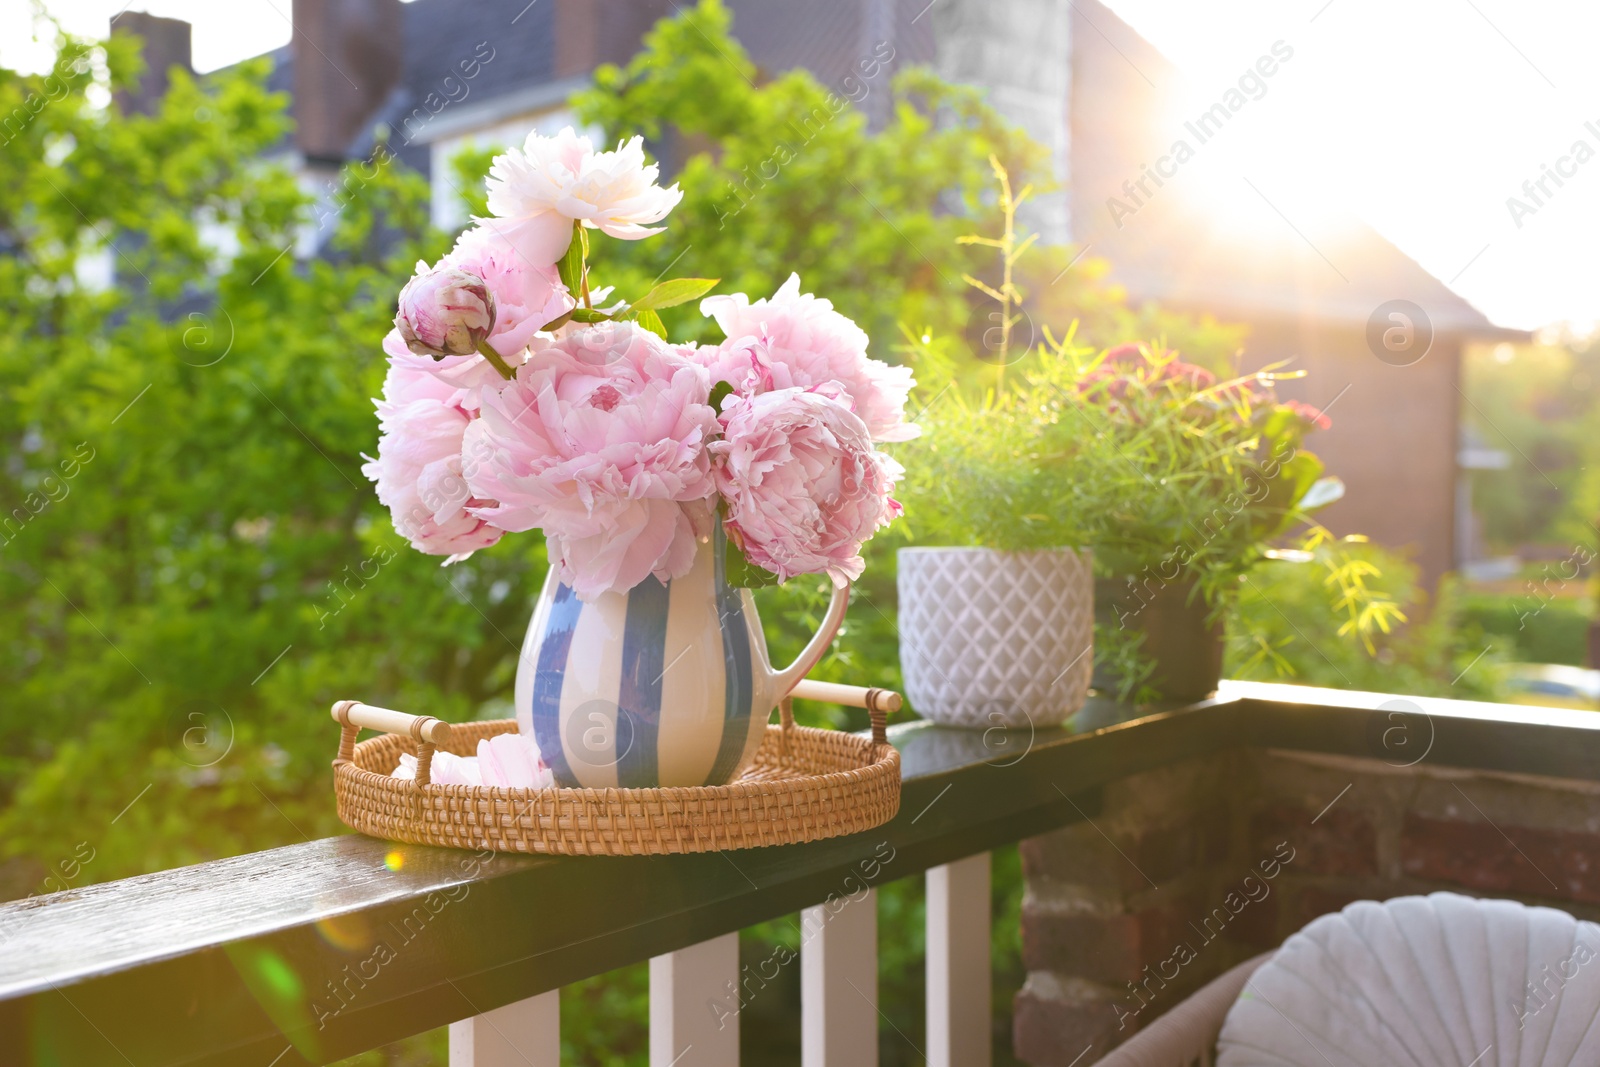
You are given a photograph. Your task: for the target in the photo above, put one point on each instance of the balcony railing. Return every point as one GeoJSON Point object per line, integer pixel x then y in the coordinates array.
{"type": "Point", "coordinates": [313, 952]}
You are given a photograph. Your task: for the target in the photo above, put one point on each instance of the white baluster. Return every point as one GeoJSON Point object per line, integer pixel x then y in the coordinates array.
{"type": "Point", "coordinates": [694, 1005]}
{"type": "Point", "coordinates": [524, 1034]}
{"type": "Point", "coordinates": [839, 983]}
{"type": "Point", "coordinates": [959, 982]}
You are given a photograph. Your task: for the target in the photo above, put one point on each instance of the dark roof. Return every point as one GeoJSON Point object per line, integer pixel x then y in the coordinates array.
{"type": "Point", "coordinates": [829, 37]}
{"type": "Point", "coordinates": [441, 34]}
{"type": "Point", "coordinates": [819, 41]}
{"type": "Point", "coordinates": [826, 37]}
{"type": "Point", "coordinates": [281, 78]}
{"type": "Point", "coordinates": [1170, 251]}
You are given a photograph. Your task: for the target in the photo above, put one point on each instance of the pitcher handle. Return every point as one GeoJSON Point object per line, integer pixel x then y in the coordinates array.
{"type": "Point", "coordinates": [785, 680]}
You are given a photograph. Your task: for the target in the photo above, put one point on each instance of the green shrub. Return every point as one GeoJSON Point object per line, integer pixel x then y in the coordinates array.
{"type": "Point", "coordinates": [1282, 630]}
{"type": "Point", "coordinates": [202, 568]}
{"type": "Point", "coordinates": [1530, 630]}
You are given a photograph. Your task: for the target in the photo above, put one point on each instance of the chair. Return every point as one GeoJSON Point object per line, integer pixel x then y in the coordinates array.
{"type": "Point", "coordinates": [1440, 979]}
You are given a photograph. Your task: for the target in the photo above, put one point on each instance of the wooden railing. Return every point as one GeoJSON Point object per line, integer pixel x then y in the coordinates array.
{"type": "Point", "coordinates": [313, 952]}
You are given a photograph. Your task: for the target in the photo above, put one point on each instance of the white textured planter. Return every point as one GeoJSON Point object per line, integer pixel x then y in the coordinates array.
{"type": "Point", "coordinates": [996, 638]}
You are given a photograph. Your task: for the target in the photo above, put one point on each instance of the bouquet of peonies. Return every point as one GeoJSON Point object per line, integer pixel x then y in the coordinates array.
{"type": "Point", "coordinates": [518, 397]}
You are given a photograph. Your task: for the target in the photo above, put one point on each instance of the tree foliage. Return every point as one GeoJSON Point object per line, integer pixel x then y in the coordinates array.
{"type": "Point", "coordinates": [1537, 404]}
{"type": "Point", "coordinates": [1280, 629]}
{"type": "Point", "coordinates": [193, 566]}
{"type": "Point", "coordinates": [785, 175]}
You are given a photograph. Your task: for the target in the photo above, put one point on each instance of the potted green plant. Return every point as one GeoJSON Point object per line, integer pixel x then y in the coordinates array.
{"type": "Point", "coordinates": [997, 606]}
{"type": "Point", "coordinates": [1173, 482]}
{"type": "Point", "coordinates": [1209, 478]}
{"type": "Point", "coordinates": [996, 603]}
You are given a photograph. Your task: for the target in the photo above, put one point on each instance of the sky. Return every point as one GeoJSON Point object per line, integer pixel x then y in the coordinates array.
{"type": "Point", "coordinates": [1423, 117]}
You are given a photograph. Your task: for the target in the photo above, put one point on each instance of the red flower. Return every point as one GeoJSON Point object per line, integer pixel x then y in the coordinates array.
{"type": "Point", "coordinates": [1199, 377]}
{"type": "Point", "coordinates": [1313, 416]}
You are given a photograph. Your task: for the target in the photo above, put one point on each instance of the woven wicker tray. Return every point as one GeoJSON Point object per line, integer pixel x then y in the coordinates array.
{"type": "Point", "coordinates": [805, 784]}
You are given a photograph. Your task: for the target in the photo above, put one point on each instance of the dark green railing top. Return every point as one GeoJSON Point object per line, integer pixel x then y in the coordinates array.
{"type": "Point", "coordinates": [312, 952]}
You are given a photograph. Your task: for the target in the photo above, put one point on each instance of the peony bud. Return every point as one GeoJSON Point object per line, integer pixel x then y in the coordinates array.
{"type": "Point", "coordinates": [445, 312]}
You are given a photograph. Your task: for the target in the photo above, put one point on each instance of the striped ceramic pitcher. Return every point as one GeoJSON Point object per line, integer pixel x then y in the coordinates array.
{"type": "Point", "coordinates": [664, 685]}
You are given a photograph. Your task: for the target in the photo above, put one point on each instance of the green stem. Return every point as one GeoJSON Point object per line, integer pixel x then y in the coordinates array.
{"type": "Point", "coordinates": [1008, 243]}
{"type": "Point", "coordinates": [494, 359]}
{"type": "Point", "coordinates": [584, 265]}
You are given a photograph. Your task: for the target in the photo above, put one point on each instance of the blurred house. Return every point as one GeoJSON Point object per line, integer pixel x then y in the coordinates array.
{"type": "Point", "coordinates": [436, 76]}
{"type": "Point", "coordinates": [1308, 286]}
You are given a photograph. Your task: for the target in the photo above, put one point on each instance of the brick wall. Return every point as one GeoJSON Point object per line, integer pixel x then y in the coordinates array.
{"type": "Point", "coordinates": [1183, 872]}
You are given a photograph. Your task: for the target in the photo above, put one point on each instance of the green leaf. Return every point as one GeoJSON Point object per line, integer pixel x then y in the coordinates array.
{"type": "Point", "coordinates": [1323, 492]}
{"type": "Point", "coordinates": [719, 392]}
{"type": "Point", "coordinates": [676, 291]}
{"type": "Point", "coordinates": [742, 573]}
{"type": "Point", "coordinates": [589, 315]}
{"type": "Point", "coordinates": [1280, 509]}
{"type": "Point", "coordinates": [556, 324]}
{"type": "Point", "coordinates": [570, 265]}
{"type": "Point", "coordinates": [652, 322]}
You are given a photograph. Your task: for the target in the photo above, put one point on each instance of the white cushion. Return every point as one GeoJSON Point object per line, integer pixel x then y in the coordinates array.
{"type": "Point", "coordinates": [1436, 981]}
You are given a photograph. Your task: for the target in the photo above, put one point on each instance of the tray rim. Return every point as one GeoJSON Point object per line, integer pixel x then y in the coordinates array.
{"type": "Point", "coordinates": [877, 779]}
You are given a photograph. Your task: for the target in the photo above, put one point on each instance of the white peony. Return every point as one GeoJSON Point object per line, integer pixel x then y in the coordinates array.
{"type": "Point", "coordinates": [536, 192]}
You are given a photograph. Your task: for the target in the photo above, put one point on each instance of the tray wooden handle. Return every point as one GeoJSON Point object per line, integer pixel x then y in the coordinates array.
{"type": "Point", "coordinates": [365, 716]}
{"type": "Point", "coordinates": [880, 703]}
{"type": "Point", "coordinates": [851, 696]}
{"type": "Point", "coordinates": [425, 729]}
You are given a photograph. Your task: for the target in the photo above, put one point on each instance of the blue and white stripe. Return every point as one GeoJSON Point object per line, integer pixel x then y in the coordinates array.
{"type": "Point", "coordinates": [666, 684]}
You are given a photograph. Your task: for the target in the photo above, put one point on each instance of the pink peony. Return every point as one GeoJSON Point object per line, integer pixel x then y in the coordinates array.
{"type": "Point", "coordinates": [803, 484]}
{"type": "Point", "coordinates": [797, 339]}
{"type": "Point", "coordinates": [539, 190]}
{"type": "Point", "coordinates": [526, 295]}
{"type": "Point", "coordinates": [445, 312]}
{"type": "Point", "coordinates": [419, 469]}
{"type": "Point", "coordinates": [523, 298]}
{"type": "Point", "coordinates": [447, 768]}
{"type": "Point", "coordinates": [600, 441]}
{"type": "Point", "coordinates": [455, 373]}
{"type": "Point", "coordinates": [513, 761]}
